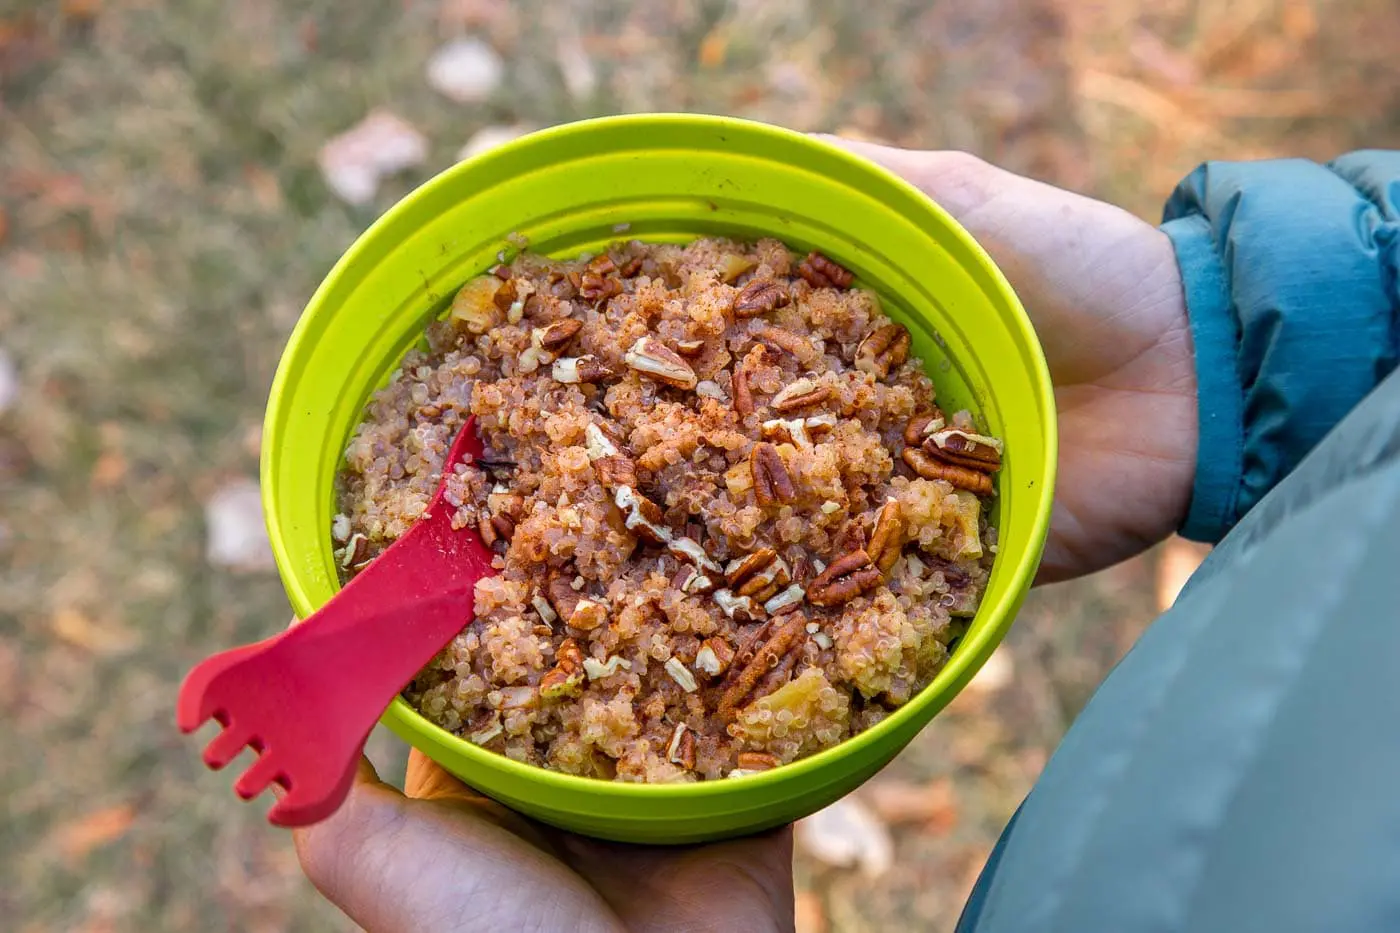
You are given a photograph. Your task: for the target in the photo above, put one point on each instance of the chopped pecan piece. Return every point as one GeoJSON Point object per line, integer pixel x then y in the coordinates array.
{"type": "Point", "coordinates": [583, 369]}
{"type": "Point", "coordinates": [714, 657]}
{"type": "Point", "coordinates": [740, 608]}
{"type": "Point", "coordinates": [588, 615]}
{"type": "Point", "coordinates": [846, 578]}
{"type": "Point", "coordinates": [803, 393]}
{"type": "Point", "coordinates": [595, 288]}
{"type": "Point", "coordinates": [681, 750]}
{"type": "Point", "coordinates": [739, 392]}
{"type": "Point", "coordinates": [569, 655]}
{"type": "Point", "coordinates": [821, 272]}
{"type": "Point", "coordinates": [602, 264]}
{"type": "Point", "coordinates": [760, 297]}
{"type": "Point", "coordinates": [631, 267]}
{"type": "Point", "coordinates": [642, 516]}
{"type": "Point", "coordinates": [757, 761]}
{"type": "Point", "coordinates": [556, 336]}
{"type": "Point", "coordinates": [506, 295]}
{"type": "Point", "coordinates": [690, 348]}
{"type": "Point", "coordinates": [653, 358]}
{"type": "Point", "coordinates": [563, 597]}
{"type": "Point", "coordinates": [690, 580]}
{"type": "Point", "coordinates": [785, 340]}
{"type": "Point", "coordinates": [560, 683]}
{"type": "Point", "coordinates": [973, 481]}
{"type": "Point", "coordinates": [758, 575]}
{"type": "Point", "coordinates": [771, 482]}
{"type": "Point", "coordinates": [681, 674]}
{"type": "Point", "coordinates": [495, 528]}
{"type": "Point", "coordinates": [920, 427]}
{"type": "Point", "coordinates": [785, 601]}
{"type": "Point", "coordinates": [502, 272]}
{"type": "Point", "coordinates": [887, 540]}
{"type": "Point", "coordinates": [744, 677]}
{"type": "Point", "coordinates": [963, 448]}
{"type": "Point", "coordinates": [615, 471]}
{"type": "Point", "coordinates": [883, 349]}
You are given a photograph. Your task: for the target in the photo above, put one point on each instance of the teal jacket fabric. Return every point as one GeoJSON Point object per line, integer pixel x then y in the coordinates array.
{"type": "Point", "coordinates": [1239, 770]}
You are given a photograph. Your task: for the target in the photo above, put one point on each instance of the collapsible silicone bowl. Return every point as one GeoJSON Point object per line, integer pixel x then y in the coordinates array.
{"type": "Point", "coordinates": [575, 188]}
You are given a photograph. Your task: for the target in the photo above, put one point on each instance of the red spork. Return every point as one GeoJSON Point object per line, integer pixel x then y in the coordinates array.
{"type": "Point", "coordinates": [306, 700]}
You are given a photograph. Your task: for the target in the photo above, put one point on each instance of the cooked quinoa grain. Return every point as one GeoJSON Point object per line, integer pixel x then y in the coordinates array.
{"type": "Point", "coordinates": [732, 525]}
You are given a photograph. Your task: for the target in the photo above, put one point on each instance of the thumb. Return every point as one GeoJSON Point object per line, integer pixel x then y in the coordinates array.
{"type": "Point", "coordinates": [395, 865]}
{"type": "Point", "coordinates": [959, 182]}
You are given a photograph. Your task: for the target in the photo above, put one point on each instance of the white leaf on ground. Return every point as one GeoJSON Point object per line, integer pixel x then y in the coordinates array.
{"type": "Point", "coordinates": [381, 144]}
{"type": "Point", "coordinates": [237, 538]}
{"type": "Point", "coordinates": [580, 77]}
{"type": "Point", "coordinates": [847, 834]}
{"type": "Point", "coordinates": [996, 674]}
{"type": "Point", "coordinates": [466, 70]}
{"type": "Point", "coordinates": [489, 137]}
{"type": "Point", "coordinates": [9, 381]}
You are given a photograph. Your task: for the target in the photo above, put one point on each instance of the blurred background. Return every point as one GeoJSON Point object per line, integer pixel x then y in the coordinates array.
{"type": "Point", "coordinates": [175, 178]}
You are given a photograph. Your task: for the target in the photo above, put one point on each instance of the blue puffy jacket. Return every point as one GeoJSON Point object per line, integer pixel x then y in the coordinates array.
{"type": "Point", "coordinates": [1239, 771]}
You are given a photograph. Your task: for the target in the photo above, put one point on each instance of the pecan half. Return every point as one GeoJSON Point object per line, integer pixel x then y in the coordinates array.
{"type": "Point", "coordinates": [883, 349]}
{"type": "Point", "coordinates": [760, 297]}
{"type": "Point", "coordinates": [821, 272]}
{"type": "Point", "coordinates": [846, 578]}
{"type": "Point", "coordinates": [681, 750]}
{"type": "Point", "coordinates": [615, 471]}
{"type": "Point", "coordinates": [802, 393]}
{"type": "Point", "coordinates": [556, 336]}
{"type": "Point", "coordinates": [653, 358]}
{"type": "Point", "coordinates": [887, 540]}
{"type": "Point", "coordinates": [574, 370]}
{"type": "Point", "coordinates": [920, 427]}
{"type": "Point", "coordinates": [962, 448]}
{"type": "Point", "coordinates": [743, 678]}
{"type": "Point", "coordinates": [771, 482]}
{"type": "Point", "coordinates": [973, 481]}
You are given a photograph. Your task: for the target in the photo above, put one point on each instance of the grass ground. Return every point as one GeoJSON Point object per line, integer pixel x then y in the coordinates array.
{"type": "Point", "coordinates": [162, 221]}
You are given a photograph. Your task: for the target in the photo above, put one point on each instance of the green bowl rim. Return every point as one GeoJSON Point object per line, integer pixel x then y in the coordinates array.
{"type": "Point", "coordinates": [971, 652]}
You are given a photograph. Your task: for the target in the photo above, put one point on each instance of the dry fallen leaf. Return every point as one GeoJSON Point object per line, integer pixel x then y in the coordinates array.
{"type": "Point", "coordinates": [80, 631]}
{"type": "Point", "coordinates": [9, 381]}
{"type": "Point", "coordinates": [467, 70]}
{"type": "Point", "coordinates": [381, 144]}
{"type": "Point", "coordinates": [934, 804]}
{"type": "Point", "coordinates": [847, 834]}
{"type": "Point", "coordinates": [236, 537]}
{"type": "Point", "coordinates": [996, 674]}
{"type": "Point", "coordinates": [580, 77]}
{"type": "Point", "coordinates": [489, 137]}
{"type": "Point", "coordinates": [1179, 561]}
{"type": "Point", "coordinates": [78, 837]}
{"type": "Point", "coordinates": [807, 912]}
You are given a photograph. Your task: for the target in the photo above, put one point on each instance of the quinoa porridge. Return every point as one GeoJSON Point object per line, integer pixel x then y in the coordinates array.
{"type": "Point", "coordinates": [732, 526]}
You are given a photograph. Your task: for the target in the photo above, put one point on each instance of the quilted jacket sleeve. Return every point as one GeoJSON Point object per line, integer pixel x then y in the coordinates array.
{"type": "Point", "coordinates": [1290, 275]}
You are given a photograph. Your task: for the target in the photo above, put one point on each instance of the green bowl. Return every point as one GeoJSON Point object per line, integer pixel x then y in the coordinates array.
{"type": "Point", "coordinates": [575, 188]}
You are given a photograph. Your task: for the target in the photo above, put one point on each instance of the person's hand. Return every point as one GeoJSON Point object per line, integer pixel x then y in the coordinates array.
{"type": "Point", "coordinates": [445, 858]}
{"type": "Point", "coordinates": [1104, 293]}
